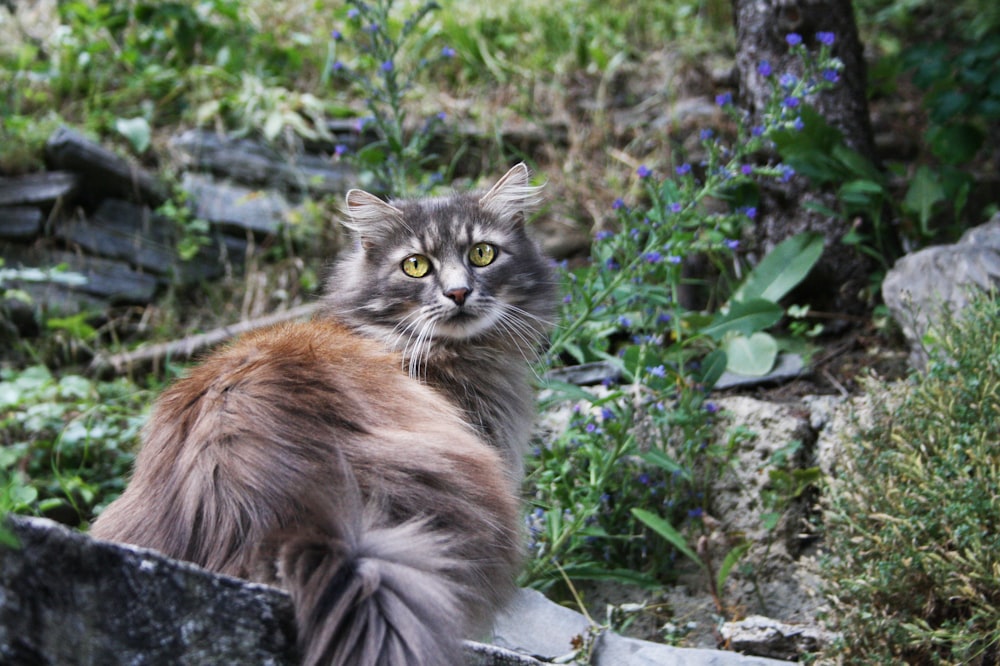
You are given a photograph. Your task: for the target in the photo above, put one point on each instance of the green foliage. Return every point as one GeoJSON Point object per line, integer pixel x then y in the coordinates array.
{"type": "Point", "coordinates": [396, 161]}
{"type": "Point", "coordinates": [912, 524]}
{"type": "Point", "coordinates": [607, 484]}
{"type": "Point", "coordinates": [65, 442]}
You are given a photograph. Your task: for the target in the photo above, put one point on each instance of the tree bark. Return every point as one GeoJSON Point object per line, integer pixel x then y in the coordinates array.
{"type": "Point", "coordinates": [838, 281]}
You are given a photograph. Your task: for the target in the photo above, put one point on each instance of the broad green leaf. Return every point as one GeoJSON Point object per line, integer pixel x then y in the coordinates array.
{"type": "Point", "coordinates": [955, 144]}
{"type": "Point", "coordinates": [136, 131]}
{"type": "Point", "coordinates": [783, 268]}
{"type": "Point", "coordinates": [753, 355]}
{"type": "Point", "coordinates": [924, 193]}
{"type": "Point", "coordinates": [665, 462]}
{"type": "Point", "coordinates": [668, 532]}
{"type": "Point", "coordinates": [744, 317]}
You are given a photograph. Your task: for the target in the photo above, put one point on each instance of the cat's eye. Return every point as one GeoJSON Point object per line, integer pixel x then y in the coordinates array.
{"type": "Point", "coordinates": [416, 265]}
{"type": "Point", "coordinates": [482, 254]}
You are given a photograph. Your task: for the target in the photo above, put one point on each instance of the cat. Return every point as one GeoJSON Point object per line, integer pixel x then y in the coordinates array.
{"type": "Point", "coordinates": [367, 461]}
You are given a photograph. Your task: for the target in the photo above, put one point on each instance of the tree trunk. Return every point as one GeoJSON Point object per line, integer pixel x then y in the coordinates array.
{"type": "Point", "coordinates": [839, 279]}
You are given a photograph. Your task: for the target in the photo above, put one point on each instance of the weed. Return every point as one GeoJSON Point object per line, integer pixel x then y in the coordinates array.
{"type": "Point", "coordinates": [911, 524]}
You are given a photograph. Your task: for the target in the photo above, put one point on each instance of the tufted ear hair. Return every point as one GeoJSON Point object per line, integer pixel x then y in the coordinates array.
{"type": "Point", "coordinates": [369, 217]}
{"type": "Point", "coordinates": [513, 197]}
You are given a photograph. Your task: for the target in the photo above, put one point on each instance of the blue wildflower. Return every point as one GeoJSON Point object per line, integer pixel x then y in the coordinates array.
{"type": "Point", "coordinates": [831, 75]}
{"type": "Point", "coordinates": [657, 371]}
{"type": "Point", "coordinates": [764, 68]}
{"type": "Point", "coordinates": [618, 203]}
{"type": "Point", "coordinates": [603, 235]}
{"type": "Point", "coordinates": [683, 169]}
{"type": "Point", "coordinates": [339, 149]}
{"type": "Point", "coordinates": [793, 38]}
{"type": "Point", "coordinates": [826, 38]}
{"type": "Point", "coordinates": [696, 513]}
{"type": "Point", "coordinates": [643, 171]}
{"type": "Point", "coordinates": [387, 66]}
{"type": "Point", "coordinates": [337, 35]}
{"type": "Point", "coordinates": [663, 318]}
{"type": "Point", "coordinates": [674, 259]}
{"type": "Point", "coordinates": [607, 414]}
{"type": "Point", "coordinates": [798, 124]}
{"type": "Point", "coordinates": [746, 169]}
{"type": "Point", "coordinates": [653, 257]}
{"type": "Point", "coordinates": [624, 321]}
{"type": "Point", "coordinates": [751, 212]}
{"type": "Point", "coordinates": [353, 13]}
{"type": "Point", "coordinates": [732, 244]}
{"type": "Point", "coordinates": [706, 134]}
{"type": "Point", "coordinates": [676, 207]}
{"type": "Point", "coordinates": [711, 407]}
{"type": "Point", "coordinates": [791, 102]}
{"type": "Point", "coordinates": [788, 80]}
{"type": "Point", "coordinates": [644, 479]}
{"type": "Point", "coordinates": [725, 99]}
{"type": "Point", "coordinates": [568, 298]}
{"type": "Point", "coordinates": [786, 173]}
{"type": "Point", "coordinates": [448, 52]}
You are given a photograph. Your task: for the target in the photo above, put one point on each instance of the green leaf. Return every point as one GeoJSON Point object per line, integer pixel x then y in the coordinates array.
{"type": "Point", "coordinates": [665, 462]}
{"type": "Point", "coordinates": [712, 367]}
{"type": "Point", "coordinates": [668, 532]}
{"type": "Point", "coordinates": [783, 268]}
{"type": "Point", "coordinates": [955, 144]}
{"type": "Point", "coordinates": [136, 131]}
{"type": "Point", "coordinates": [753, 355]}
{"type": "Point", "coordinates": [728, 562]}
{"type": "Point", "coordinates": [924, 193]}
{"type": "Point", "coordinates": [744, 317]}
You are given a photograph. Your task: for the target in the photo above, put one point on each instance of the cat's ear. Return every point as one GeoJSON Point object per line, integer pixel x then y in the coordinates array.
{"type": "Point", "coordinates": [513, 197]}
{"type": "Point", "coordinates": [369, 217]}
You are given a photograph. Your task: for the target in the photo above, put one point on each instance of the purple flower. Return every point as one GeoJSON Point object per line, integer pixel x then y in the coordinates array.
{"type": "Point", "coordinates": [764, 68]}
{"type": "Point", "coordinates": [591, 427]}
{"type": "Point", "coordinates": [786, 173]}
{"type": "Point", "coordinates": [657, 371]}
{"type": "Point", "coordinates": [793, 38]}
{"type": "Point", "coordinates": [624, 321]}
{"type": "Point", "coordinates": [607, 414]}
{"type": "Point", "coordinates": [725, 99]}
{"type": "Point", "coordinates": [791, 102]}
{"type": "Point", "coordinates": [653, 257]}
{"type": "Point", "coordinates": [683, 169]}
{"type": "Point", "coordinates": [676, 207]}
{"type": "Point", "coordinates": [604, 235]}
{"type": "Point", "coordinates": [353, 13]}
{"type": "Point", "coordinates": [643, 171]}
{"type": "Point", "coordinates": [711, 407]}
{"type": "Point", "coordinates": [758, 130]}
{"type": "Point", "coordinates": [798, 124]}
{"type": "Point", "coordinates": [387, 66]}
{"type": "Point", "coordinates": [663, 318]}
{"type": "Point", "coordinates": [831, 75]}
{"type": "Point", "coordinates": [372, 28]}
{"type": "Point", "coordinates": [746, 169]}
{"type": "Point", "coordinates": [337, 35]}
{"type": "Point", "coordinates": [612, 265]}
{"type": "Point", "coordinates": [826, 38]}
{"type": "Point", "coordinates": [732, 244]}
{"type": "Point", "coordinates": [644, 479]}
{"type": "Point", "coordinates": [706, 134]}
{"type": "Point", "coordinates": [338, 66]}
{"type": "Point", "coordinates": [618, 203]}
{"type": "Point", "coordinates": [448, 52]}
{"type": "Point", "coordinates": [674, 259]}
{"type": "Point", "coordinates": [751, 212]}
{"type": "Point", "coordinates": [788, 80]}
{"type": "Point", "coordinates": [696, 513]}
{"type": "Point", "coordinates": [339, 149]}
{"type": "Point", "coordinates": [441, 115]}
{"type": "Point", "coordinates": [568, 298]}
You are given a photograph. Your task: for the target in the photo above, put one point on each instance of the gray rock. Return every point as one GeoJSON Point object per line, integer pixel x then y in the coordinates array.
{"type": "Point", "coordinates": [781, 640]}
{"type": "Point", "coordinates": [235, 207]}
{"type": "Point", "coordinates": [101, 171]}
{"type": "Point", "coordinates": [37, 189]}
{"type": "Point", "coordinates": [534, 625]}
{"type": "Point", "coordinates": [936, 282]}
{"type": "Point", "coordinates": [20, 222]}
{"type": "Point", "coordinates": [67, 599]}
{"type": "Point", "coordinates": [104, 279]}
{"type": "Point", "coordinates": [254, 163]}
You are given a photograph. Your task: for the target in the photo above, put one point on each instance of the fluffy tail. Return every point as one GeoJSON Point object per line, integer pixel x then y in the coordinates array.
{"type": "Point", "coordinates": [366, 595]}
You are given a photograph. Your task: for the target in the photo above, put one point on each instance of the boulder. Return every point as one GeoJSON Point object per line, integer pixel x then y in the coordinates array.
{"type": "Point", "coordinates": [236, 208]}
{"type": "Point", "coordinates": [936, 282]}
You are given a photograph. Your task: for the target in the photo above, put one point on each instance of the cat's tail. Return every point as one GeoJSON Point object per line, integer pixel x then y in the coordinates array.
{"type": "Point", "coordinates": [369, 595]}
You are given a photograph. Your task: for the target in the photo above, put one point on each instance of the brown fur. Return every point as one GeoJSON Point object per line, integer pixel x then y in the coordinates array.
{"type": "Point", "coordinates": [303, 456]}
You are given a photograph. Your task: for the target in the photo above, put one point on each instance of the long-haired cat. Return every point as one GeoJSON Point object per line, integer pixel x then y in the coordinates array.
{"type": "Point", "coordinates": [367, 461]}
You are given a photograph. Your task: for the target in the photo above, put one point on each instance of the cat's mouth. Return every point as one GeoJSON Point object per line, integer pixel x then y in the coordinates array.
{"type": "Point", "coordinates": [462, 324]}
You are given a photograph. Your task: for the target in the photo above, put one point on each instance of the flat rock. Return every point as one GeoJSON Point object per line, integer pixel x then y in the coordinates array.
{"type": "Point", "coordinates": [235, 207]}
{"type": "Point", "coordinates": [37, 189]}
{"type": "Point", "coordinates": [781, 640]}
{"type": "Point", "coordinates": [536, 626]}
{"type": "Point", "coordinates": [102, 172]}
{"type": "Point", "coordinates": [20, 222]}
{"type": "Point", "coordinates": [254, 163]}
{"type": "Point", "coordinates": [936, 282]}
{"type": "Point", "coordinates": [135, 234]}
{"type": "Point", "coordinates": [108, 280]}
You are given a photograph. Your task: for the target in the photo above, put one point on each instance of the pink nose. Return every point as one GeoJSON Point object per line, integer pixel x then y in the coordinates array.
{"type": "Point", "coordinates": [458, 295]}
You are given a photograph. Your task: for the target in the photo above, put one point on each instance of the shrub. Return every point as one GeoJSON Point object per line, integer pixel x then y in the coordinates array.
{"type": "Point", "coordinates": [913, 522]}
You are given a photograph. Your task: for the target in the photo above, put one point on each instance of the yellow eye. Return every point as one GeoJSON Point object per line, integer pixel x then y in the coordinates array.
{"type": "Point", "coordinates": [416, 265]}
{"type": "Point", "coordinates": [482, 254]}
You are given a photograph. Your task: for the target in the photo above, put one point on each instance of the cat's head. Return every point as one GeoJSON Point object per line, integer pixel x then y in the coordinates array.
{"type": "Point", "coordinates": [445, 271]}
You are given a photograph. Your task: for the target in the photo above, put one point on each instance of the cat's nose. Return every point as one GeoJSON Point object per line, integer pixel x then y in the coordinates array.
{"type": "Point", "coordinates": [458, 294]}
